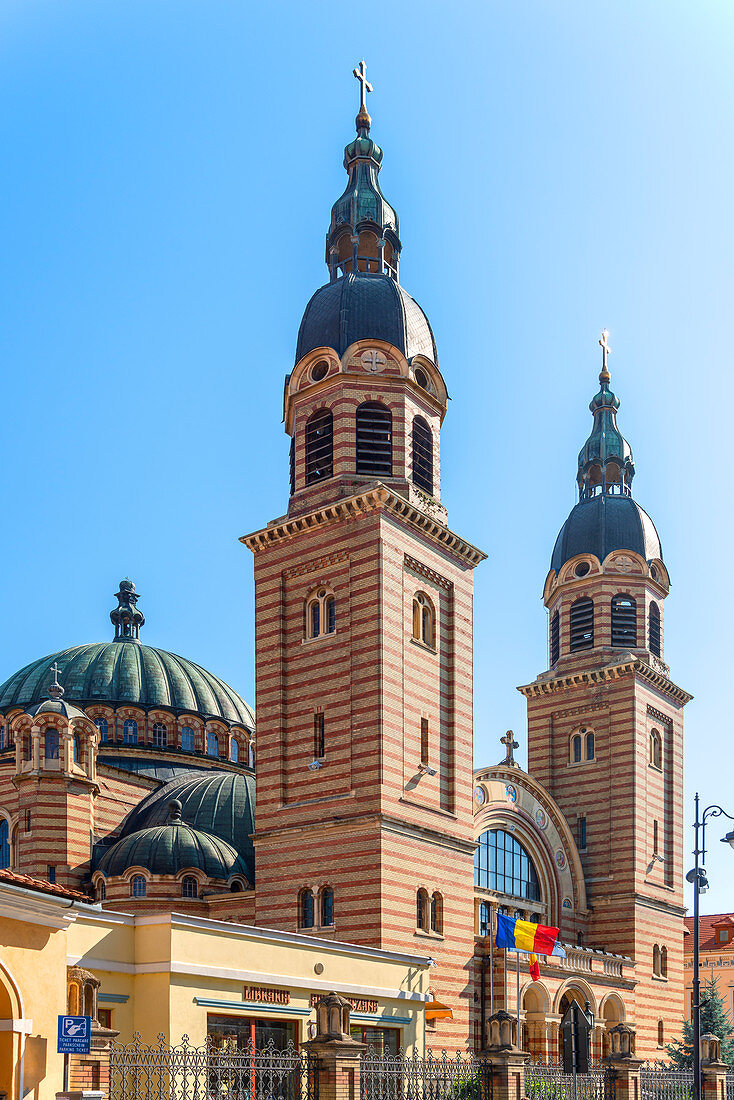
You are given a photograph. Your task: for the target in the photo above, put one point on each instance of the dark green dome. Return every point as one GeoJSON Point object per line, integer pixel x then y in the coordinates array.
{"type": "Point", "coordinates": [170, 848]}
{"type": "Point", "coordinates": [605, 523]}
{"type": "Point", "coordinates": [216, 802]}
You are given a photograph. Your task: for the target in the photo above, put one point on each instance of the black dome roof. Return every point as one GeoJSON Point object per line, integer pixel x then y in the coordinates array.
{"type": "Point", "coordinates": [605, 523]}
{"type": "Point", "coordinates": [361, 307]}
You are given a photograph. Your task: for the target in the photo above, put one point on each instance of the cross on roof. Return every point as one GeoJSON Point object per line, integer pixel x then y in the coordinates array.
{"type": "Point", "coordinates": [364, 85]}
{"type": "Point", "coordinates": [509, 741]}
{"type": "Point", "coordinates": [605, 351]}
{"type": "Point", "coordinates": [55, 690]}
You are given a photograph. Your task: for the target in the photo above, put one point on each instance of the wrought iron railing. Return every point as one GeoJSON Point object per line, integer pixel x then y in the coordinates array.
{"type": "Point", "coordinates": [730, 1085]}
{"type": "Point", "coordinates": [548, 1081]}
{"type": "Point", "coordinates": [664, 1081]}
{"type": "Point", "coordinates": [424, 1077]}
{"type": "Point", "coordinates": [214, 1071]}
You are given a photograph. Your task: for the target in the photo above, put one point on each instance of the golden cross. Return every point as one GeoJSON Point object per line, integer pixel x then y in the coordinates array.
{"type": "Point", "coordinates": [605, 349]}
{"type": "Point", "coordinates": [364, 84]}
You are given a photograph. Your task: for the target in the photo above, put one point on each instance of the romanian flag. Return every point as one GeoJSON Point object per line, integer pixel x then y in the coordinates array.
{"type": "Point", "coordinates": [523, 935]}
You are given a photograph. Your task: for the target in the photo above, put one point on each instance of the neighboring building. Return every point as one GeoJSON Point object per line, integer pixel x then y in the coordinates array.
{"type": "Point", "coordinates": [716, 957]}
{"type": "Point", "coordinates": [136, 779]}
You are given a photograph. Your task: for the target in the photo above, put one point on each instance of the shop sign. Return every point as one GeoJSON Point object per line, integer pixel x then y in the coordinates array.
{"type": "Point", "coordinates": [357, 1004]}
{"type": "Point", "coordinates": [266, 996]}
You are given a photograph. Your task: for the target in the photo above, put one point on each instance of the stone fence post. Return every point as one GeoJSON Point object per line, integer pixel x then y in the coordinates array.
{"type": "Point", "coordinates": [623, 1066]}
{"type": "Point", "coordinates": [337, 1053]}
{"type": "Point", "coordinates": [506, 1058]}
{"type": "Point", "coordinates": [713, 1070]}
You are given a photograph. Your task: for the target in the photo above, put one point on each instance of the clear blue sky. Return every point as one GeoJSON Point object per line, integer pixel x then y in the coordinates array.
{"type": "Point", "coordinates": [168, 167]}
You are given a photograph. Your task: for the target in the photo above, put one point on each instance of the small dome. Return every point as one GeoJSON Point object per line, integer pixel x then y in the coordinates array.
{"type": "Point", "coordinates": [55, 706]}
{"type": "Point", "coordinates": [171, 848]}
{"type": "Point", "coordinates": [220, 803]}
{"type": "Point", "coordinates": [365, 307]}
{"type": "Point", "coordinates": [604, 523]}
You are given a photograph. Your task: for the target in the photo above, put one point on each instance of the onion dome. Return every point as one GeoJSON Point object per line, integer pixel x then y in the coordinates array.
{"type": "Point", "coordinates": [170, 848]}
{"type": "Point", "coordinates": [606, 517]}
{"type": "Point", "coordinates": [220, 803]}
{"type": "Point", "coordinates": [359, 307]}
{"type": "Point", "coordinates": [126, 617]}
{"type": "Point", "coordinates": [126, 672]}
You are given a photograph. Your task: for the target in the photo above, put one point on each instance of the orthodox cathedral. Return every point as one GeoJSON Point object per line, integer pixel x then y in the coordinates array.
{"type": "Point", "coordinates": [349, 810]}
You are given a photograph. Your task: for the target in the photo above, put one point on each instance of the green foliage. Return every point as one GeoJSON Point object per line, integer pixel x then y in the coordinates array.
{"type": "Point", "coordinates": [714, 1020]}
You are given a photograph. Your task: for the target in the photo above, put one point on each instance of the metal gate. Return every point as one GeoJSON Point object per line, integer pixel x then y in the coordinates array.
{"type": "Point", "coordinates": [429, 1077]}
{"type": "Point", "coordinates": [159, 1071]}
{"type": "Point", "coordinates": [547, 1081]}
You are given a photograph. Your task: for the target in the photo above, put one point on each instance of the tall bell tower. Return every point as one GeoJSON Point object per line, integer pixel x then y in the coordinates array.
{"type": "Point", "coordinates": [605, 721]}
{"type": "Point", "coordinates": [363, 605]}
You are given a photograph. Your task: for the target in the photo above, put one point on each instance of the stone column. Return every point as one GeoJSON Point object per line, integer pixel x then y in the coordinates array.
{"type": "Point", "coordinates": [505, 1058]}
{"type": "Point", "coordinates": [622, 1066]}
{"type": "Point", "coordinates": [713, 1070]}
{"type": "Point", "coordinates": [336, 1053]}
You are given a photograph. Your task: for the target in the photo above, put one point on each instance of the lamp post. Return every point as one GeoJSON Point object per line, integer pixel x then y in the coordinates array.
{"type": "Point", "coordinates": [700, 885]}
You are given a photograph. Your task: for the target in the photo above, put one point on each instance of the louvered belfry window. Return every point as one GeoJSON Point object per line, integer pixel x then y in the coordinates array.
{"type": "Point", "coordinates": [293, 464]}
{"type": "Point", "coordinates": [374, 440]}
{"type": "Point", "coordinates": [319, 447]}
{"type": "Point", "coordinates": [582, 624]}
{"type": "Point", "coordinates": [555, 637]}
{"type": "Point", "coordinates": [422, 455]}
{"type": "Point", "coordinates": [624, 621]}
{"type": "Point", "coordinates": [655, 629]}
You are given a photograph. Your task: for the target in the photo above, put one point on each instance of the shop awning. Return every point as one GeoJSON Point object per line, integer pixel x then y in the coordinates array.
{"type": "Point", "coordinates": [437, 1011]}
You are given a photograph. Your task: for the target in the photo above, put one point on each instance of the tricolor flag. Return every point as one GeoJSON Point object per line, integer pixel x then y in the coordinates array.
{"type": "Point", "coordinates": [523, 935]}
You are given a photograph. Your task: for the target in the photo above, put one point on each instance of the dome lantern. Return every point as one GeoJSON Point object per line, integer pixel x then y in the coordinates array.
{"type": "Point", "coordinates": [126, 618]}
{"type": "Point", "coordinates": [606, 465]}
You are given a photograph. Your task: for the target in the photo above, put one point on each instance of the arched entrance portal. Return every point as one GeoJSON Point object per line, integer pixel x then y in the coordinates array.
{"type": "Point", "coordinates": [11, 1034]}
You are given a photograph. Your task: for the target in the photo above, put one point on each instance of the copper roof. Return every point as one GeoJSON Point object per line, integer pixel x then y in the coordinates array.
{"type": "Point", "coordinates": [12, 878]}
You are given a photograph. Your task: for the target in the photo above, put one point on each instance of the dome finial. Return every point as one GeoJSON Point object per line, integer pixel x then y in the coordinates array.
{"type": "Point", "coordinates": [363, 120]}
{"type": "Point", "coordinates": [55, 691]}
{"type": "Point", "coordinates": [126, 617]}
{"type": "Point", "coordinates": [605, 351]}
{"type": "Point", "coordinates": [174, 812]}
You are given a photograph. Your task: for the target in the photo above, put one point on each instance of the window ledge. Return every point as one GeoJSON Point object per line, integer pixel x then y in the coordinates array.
{"type": "Point", "coordinates": [658, 978]}
{"type": "Point", "coordinates": [580, 763]}
{"type": "Point", "coordinates": [424, 934]}
{"type": "Point", "coordinates": [655, 767]}
{"type": "Point", "coordinates": [319, 638]}
{"type": "Point", "coordinates": [423, 645]}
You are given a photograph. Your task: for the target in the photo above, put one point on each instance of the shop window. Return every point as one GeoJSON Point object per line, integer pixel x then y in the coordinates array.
{"type": "Point", "coordinates": [327, 907]}
{"type": "Point", "coordinates": [130, 732]}
{"type": "Point", "coordinates": [51, 744]}
{"type": "Point", "coordinates": [138, 886]}
{"type": "Point", "coordinates": [189, 887]}
{"type": "Point", "coordinates": [306, 907]}
{"type": "Point", "coordinates": [188, 740]}
{"type": "Point", "coordinates": [378, 1040]}
{"type": "Point", "coordinates": [319, 447]}
{"type": "Point", "coordinates": [160, 735]}
{"type": "Point", "coordinates": [374, 440]}
{"type": "Point", "coordinates": [424, 625]}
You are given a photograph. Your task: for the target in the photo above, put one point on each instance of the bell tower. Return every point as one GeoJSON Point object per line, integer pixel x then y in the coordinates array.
{"type": "Point", "coordinates": [605, 721]}
{"type": "Point", "coordinates": [363, 605]}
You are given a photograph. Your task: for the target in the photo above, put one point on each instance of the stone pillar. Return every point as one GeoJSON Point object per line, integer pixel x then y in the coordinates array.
{"type": "Point", "coordinates": [336, 1053]}
{"type": "Point", "coordinates": [623, 1067]}
{"type": "Point", "coordinates": [713, 1070]}
{"type": "Point", "coordinates": [88, 1074]}
{"type": "Point", "coordinates": [505, 1058]}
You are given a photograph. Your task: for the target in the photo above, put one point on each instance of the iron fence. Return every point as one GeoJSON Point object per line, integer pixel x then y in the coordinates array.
{"type": "Point", "coordinates": [159, 1071]}
{"type": "Point", "coordinates": [548, 1081]}
{"type": "Point", "coordinates": [424, 1077]}
{"type": "Point", "coordinates": [664, 1081]}
{"type": "Point", "coordinates": [730, 1085]}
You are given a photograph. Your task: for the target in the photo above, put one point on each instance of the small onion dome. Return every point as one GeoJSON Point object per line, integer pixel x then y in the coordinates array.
{"type": "Point", "coordinates": [170, 848]}
{"type": "Point", "coordinates": [55, 706]}
{"type": "Point", "coordinates": [365, 307]}
{"type": "Point", "coordinates": [605, 523]}
{"type": "Point", "coordinates": [216, 802]}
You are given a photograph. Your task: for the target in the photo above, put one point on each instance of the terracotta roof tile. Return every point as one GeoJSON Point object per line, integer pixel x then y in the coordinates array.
{"type": "Point", "coordinates": [707, 931]}
{"type": "Point", "coordinates": [39, 884]}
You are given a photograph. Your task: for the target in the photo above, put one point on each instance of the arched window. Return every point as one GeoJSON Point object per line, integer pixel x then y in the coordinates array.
{"type": "Point", "coordinates": [102, 890]}
{"type": "Point", "coordinates": [77, 748]}
{"type": "Point", "coordinates": [555, 637]}
{"type": "Point", "coordinates": [212, 744]}
{"type": "Point", "coordinates": [422, 455]}
{"type": "Point", "coordinates": [485, 918]}
{"type": "Point", "coordinates": [188, 741]}
{"type": "Point", "coordinates": [51, 744]}
{"type": "Point", "coordinates": [590, 744]}
{"type": "Point", "coordinates": [160, 735]}
{"type": "Point", "coordinates": [424, 626]}
{"type": "Point", "coordinates": [576, 756]}
{"type": "Point", "coordinates": [501, 863]}
{"type": "Point", "coordinates": [327, 907]}
{"type": "Point", "coordinates": [663, 962]}
{"type": "Point", "coordinates": [319, 447]}
{"type": "Point", "coordinates": [251, 752]}
{"type": "Point", "coordinates": [656, 960]}
{"type": "Point", "coordinates": [130, 732]}
{"type": "Point", "coordinates": [189, 887]}
{"type": "Point", "coordinates": [319, 735]}
{"type": "Point", "coordinates": [654, 630]}
{"type": "Point", "coordinates": [624, 621]}
{"type": "Point", "coordinates": [138, 886]}
{"type": "Point", "coordinates": [661, 1033]}
{"type": "Point", "coordinates": [436, 912]}
{"type": "Point", "coordinates": [422, 910]}
{"type": "Point", "coordinates": [656, 749]}
{"type": "Point", "coordinates": [374, 440]}
{"type": "Point", "coordinates": [306, 907]}
{"type": "Point", "coordinates": [320, 613]}
{"type": "Point", "coordinates": [234, 750]}
{"type": "Point", "coordinates": [4, 843]}
{"type": "Point", "coordinates": [582, 624]}
{"type": "Point", "coordinates": [101, 724]}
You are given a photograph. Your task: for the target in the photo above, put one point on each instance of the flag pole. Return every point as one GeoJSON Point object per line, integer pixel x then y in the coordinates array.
{"type": "Point", "coordinates": [491, 961]}
{"type": "Point", "coordinates": [504, 974]}
{"type": "Point", "coordinates": [517, 997]}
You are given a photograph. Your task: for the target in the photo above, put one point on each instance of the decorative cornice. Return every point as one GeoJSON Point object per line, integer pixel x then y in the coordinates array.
{"type": "Point", "coordinates": [374, 499]}
{"type": "Point", "coordinates": [316, 563]}
{"type": "Point", "coordinates": [659, 716]}
{"type": "Point", "coordinates": [425, 571]}
{"type": "Point", "coordinates": [608, 672]}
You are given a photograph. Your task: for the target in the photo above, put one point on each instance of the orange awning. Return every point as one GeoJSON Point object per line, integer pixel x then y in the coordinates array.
{"type": "Point", "coordinates": [437, 1011]}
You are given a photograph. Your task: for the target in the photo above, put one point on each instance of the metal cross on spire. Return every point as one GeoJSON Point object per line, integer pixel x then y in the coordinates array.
{"type": "Point", "coordinates": [55, 690]}
{"type": "Point", "coordinates": [363, 118]}
{"type": "Point", "coordinates": [605, 351]}
{"type": "Point", "coordinates": [509, 741]}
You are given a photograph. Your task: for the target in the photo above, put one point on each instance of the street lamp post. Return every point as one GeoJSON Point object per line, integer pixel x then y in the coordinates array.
{"type": "Point", "coordinates": [700, 884]}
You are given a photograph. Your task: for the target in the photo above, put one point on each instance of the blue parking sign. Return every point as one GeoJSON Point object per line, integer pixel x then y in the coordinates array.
{"type": "Point", "coordinates": [75, 1035]}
